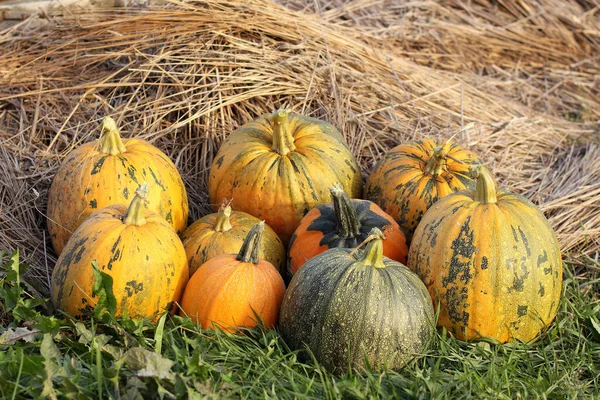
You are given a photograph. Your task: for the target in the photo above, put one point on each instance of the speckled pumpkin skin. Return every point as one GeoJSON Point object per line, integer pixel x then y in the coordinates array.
{"type": "Point", "coordinates": [346, 312]}
{"type": "Point", "coordinates": [89, 180]}
{"type": "Point", "coordinates": [495, 268]}
{"type": "Point", "coordinates": [281, 189]}
{"type": "Point", "coordinates": [202, 242]}
{"type": "Point", "coordinates": [401, 188]}
{"type": "Point", "coordinates": [147, 263]}
{"type": "Point", "coordinates": [318, 232]}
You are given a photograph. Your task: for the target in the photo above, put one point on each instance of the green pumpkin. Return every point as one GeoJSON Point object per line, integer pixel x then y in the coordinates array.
{"type": "Point", "coordinates": [352, 307]}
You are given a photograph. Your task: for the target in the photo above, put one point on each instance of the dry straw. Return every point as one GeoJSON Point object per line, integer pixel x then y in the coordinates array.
{"type": "Point", "coordinates": [517, 81]}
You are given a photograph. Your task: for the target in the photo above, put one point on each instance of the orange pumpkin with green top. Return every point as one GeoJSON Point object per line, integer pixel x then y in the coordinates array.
{"type": "Point", "coordinates": [412, 176]}
{"type": "Point", "coordinates": [279, 166]}
{"type": "Point", "coordinates": [106, 172]}
{"type": "Point", "coordinates": [343, 223]}
{"type": "Point", "coordinates": [492, 261]}
{"type": "Point", "coordinates": [224, 233]}
{"type": "Point", "coordinates": [232, 291]}
{"type": "Point", "coordinates": [140, 251]}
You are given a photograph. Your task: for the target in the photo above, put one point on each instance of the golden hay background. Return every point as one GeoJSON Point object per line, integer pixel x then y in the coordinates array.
{"type": "Point", "coordinates": [517, 81]}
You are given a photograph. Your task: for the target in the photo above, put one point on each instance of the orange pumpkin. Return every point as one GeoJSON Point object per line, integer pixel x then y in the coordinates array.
{"type": "Point", "coordinates": [231, 291]}
{"type": "Point", "coordinates": [343, 223]}
{"type": "Point", "coordinates": [279, 166]}
{"type": "Point", "coordinates": [106, 172]}
{"type": "Point", "coordinates": [413, 176]}
{"type": "Point", "coordinates": [136, 247]}
{"type": "Point", "coordinates": [492, 261]}
{"type": "Point", "coordinates": [223, 233]}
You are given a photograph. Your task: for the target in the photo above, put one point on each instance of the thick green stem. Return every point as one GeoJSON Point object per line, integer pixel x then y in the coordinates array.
{"type": "Point", "coordinates": [372, 255]}
{"type": "Point", "coordinates": [111, 143]}
{"type": "Point", "coordinates": [438, 161]}
{"type": "Point", "coordinates": [223, 222]}
{"type": "Point", "coordinates": [249, 250]}
{"type": "Point", "coordinates": [283, 140]}
{"type": "Point", "coordinates": [135, 212]}
{"type": "Point", "coordinates": [486, 189]}
{"type": "Point", "coordinates": [348, 224]}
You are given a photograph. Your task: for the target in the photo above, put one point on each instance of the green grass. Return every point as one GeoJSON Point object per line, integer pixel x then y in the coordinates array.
{"type": "Point", "coordinates": [175, 359]}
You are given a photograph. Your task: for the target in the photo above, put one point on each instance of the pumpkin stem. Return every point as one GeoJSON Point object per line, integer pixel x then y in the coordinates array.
{"type": "Point", "coordinates": [348, 226]}
{"type": "Point", "coordinates": [135, 212]}
{"type": "Point", "coordinates": [486, 189]}
{"type": "Point", "coordinates": [373, 253]}
{"type": "Point", "coordinates": [249, 250]}
{"type": "Point", "coordinates": [223, 223]}
{"type": "Point", "coordinates": [283, 141]}
{"type": "Point", "coordinates": [438, 161]}
{"type": "Point", "coordinates": [112, 143]}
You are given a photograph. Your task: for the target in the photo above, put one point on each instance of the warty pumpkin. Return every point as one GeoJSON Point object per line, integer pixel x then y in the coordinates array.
{"type": "Point", "coordinates": [279, 166]}
{"type": "Point", "coordinates": [345, 223]}
{"type": "Point", "coordinates": [140, 251]}
{"type": "Point", "coordinates": [492, 261]}
{"type": "Point", "coordinates": [106, 172]}
{"type": "Point", "coordinates": [412, 176]}
{"type": "Point", "coordinates": [224, 232]}
{"type": "Point", "coordinates": [353, 307]}
{"type": "Point", "coordinates": [231, 291]}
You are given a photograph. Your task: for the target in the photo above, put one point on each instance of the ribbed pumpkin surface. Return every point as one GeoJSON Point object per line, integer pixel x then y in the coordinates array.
{"type": "Point", "coordinates": [147, 264]}
{"type": "Point", "coordinates": [216, 234]}
{"type": "Point", "coordinates": [90, 179]}
{"type": "Point", "coordinates": [349, 311]}
{"type": "Point", "coordinates": [412, 176]}
{"type": "Point", "coordinates": [495, 267]}
{"type": "Point", "coordinates": [278, 167]}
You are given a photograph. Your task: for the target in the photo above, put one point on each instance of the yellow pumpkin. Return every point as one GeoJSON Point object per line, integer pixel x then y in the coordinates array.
{"type": "Point", "coordinates": [140, 251]}
{"type": "Point", "coordinates": [492, 261]}
{"type": "Point", "coordinates": [106, 172]}
{"type": "Point", "coordinates": [224, 233]}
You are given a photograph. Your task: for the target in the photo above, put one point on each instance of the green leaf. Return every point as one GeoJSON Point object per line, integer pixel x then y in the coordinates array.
{"type": "Point", "coordinates": [596, 326]}
{"type": "Point", "coordinates": [49, 350]}
{"type": "Point", "coordinates": [103, 288]}
{"type": "Point", "coordinates": [10, 336]}
{"type": "Point", "coordinates": [149, 364]}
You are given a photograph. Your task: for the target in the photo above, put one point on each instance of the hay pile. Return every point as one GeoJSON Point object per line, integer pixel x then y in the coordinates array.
{"type": "Point", "coordinates": [516, 81]}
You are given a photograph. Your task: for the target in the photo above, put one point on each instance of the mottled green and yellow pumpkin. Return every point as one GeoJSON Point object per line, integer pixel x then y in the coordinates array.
{"type": "Point", "coordinates": [232, 291]}
{"type": "Point", "coordinates": [140, 251]}
{"type": "Point", "coordinates": [224, 232]}
{"type": "Point", "coordinates": [106, 172]}
{"type": "Point", "coordinates": [353, 307]}
{"type": "Point", "coordinates": [492, 261]}
{"type": "Point", "coordinates": [345, 223]}
{"type": "Point", "coordinates": [412, 176]}
{"type": "Point", "coordinates": [279, 166]}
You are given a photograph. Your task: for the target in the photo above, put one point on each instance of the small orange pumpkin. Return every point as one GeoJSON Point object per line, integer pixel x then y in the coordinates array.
{"type": "Point", "coordinates": [343, 223]}
{"type": "Point", "coordinates": [413, 176]}
{"type": "Point", "coordinates": [106, 172]}
{"type": "Point", "coordinates": [223, 233]}
{"type": "Point", "coordinates": [231, 291]}
{"type": "Point", "coordinates": [136, 247]}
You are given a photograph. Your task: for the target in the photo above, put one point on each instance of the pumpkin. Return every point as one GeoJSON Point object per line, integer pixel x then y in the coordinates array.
{"type": "Point", "coordinates": [343, 223]}
{"type": "Point", "coordinates": [356, 308]}
{"type": "Point", "coordinates": [413, 176]}
{"type": "Point", "coordinates": [279, 166]}
{"type": "Point", "coordinates": [223, 233]}
{"type": "Point", "coordinates": [106, 172]}
{"type": "Point", "coordinates": [140, 251]}
{"type": "Point", "coordinates": [492, 261]}
{"type": "Point", "coordinates": [231, 291]}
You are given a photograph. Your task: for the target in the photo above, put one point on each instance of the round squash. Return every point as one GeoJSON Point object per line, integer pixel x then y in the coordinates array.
{"type": "Point", "coordinates": [279, 166]}
{"type": "Point", "coordinates": [343, 223]}
{"type": "Point", "coordinates": [230, 292]}
{"type": "Point", "coordinates": [492, 261]}
{"type": "Point", "coordinates": [106, 172]}
{"type": "Point", "coordinates": [224, 233]}
{"type": "Point", "coordinates": [413, 176]}
{"type": "Point", "coordinates": [136, 247]}
{"type": "Point", "coordinates": [351, 308]}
